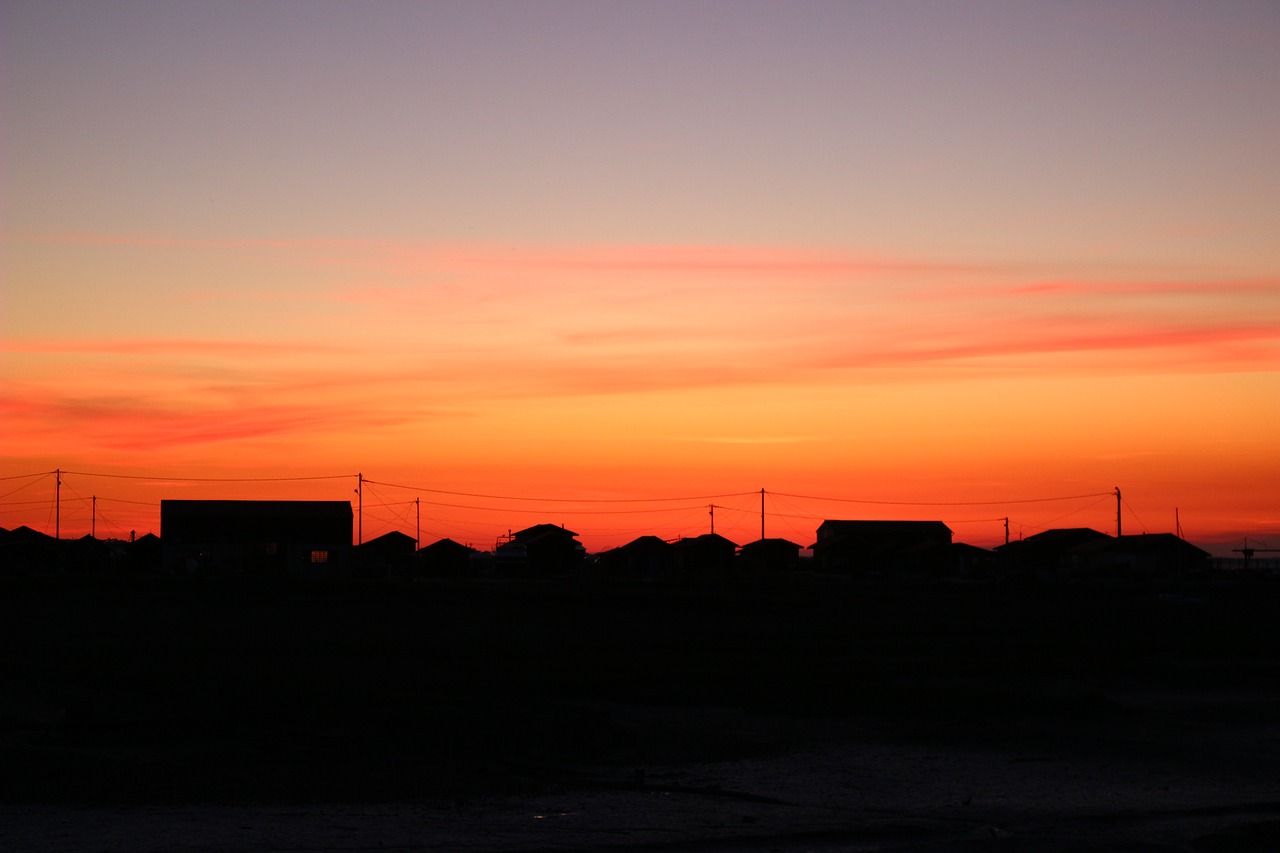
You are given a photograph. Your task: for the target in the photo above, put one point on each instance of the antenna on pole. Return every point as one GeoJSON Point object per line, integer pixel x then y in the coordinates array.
{"type": "Point", "coordinates": [360, 524]}
{"type": "Point", "coordinates": [1119, 528]}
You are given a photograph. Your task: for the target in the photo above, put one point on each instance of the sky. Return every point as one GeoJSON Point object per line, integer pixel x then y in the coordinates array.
{"type": "Point", "coordinates": [613, 265]}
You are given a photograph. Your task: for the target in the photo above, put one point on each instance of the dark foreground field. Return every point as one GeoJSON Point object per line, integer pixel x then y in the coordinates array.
{"type": "Point", "coordinates": [509, 716]}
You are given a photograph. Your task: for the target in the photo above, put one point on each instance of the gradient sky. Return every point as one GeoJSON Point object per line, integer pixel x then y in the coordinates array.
{"type": "Point", "coordinates": [607, 264]}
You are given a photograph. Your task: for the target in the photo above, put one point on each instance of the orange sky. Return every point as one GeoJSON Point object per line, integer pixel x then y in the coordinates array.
{"type": "Point", "coordinates": [635, 373]}
{"type": "Point", "coordinates": [605, 266]}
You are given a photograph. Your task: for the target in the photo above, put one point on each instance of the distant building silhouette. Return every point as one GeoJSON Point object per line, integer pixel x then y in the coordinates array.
{"type": "Point", "coordinates": [143, 555]}
{"type": "Point", "coordinates": [388, 555]}
{"type": "Point", "coordinates": [1139, 557]}
{"type": "Point", "coordinates": [707, 556]}
{"type": "Point", "coordinates": [447, 559]}
{"type": "Point", "coordinates": [769, 557]}
{"type": "Point", "coordinates": [24, 551]}
{"type": "Point", "coordinates": [544, 550]}
{"type": "Point", "coordinates": [1050, 555]}
{"type": "Point", "coordinates": [301, 538]}
{"type": "Point", "coordinates": [644, 558]}
{"type": "Point", "coordinates": [1082, 553]}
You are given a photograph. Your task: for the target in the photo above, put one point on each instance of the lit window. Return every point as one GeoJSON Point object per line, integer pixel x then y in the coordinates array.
{"type": "Point", "coordinates": [319, 556]}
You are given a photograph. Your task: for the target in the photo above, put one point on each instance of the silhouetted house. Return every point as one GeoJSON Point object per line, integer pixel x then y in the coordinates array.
{"type": "Point", "coordinates": [391, 554]}
{"type": "Point", "coordinates": [541, 551]}
{"type": "Point", "coordinates": [769, 557]}
{"type": "Point", "coordinates": [969, 562]}
{"type": "Point", "coordinates": [87, 554]}
{"type": "Point", "coordinates": [143, 556]}
{"type": "Point", "coordinates": [952, 561]}
{"type": "Point", "coordinates": [1147, 555]}
{"type": "Point", "coordinates": [644, 558]}
{"type": "Point", "coordinates": [705, 556]}
{"type": "Point", "coordinates": [1051, 555]}
{"type": "Point", "coordinates": [511, 559]}
{"type": "Point", "coordinates": [23, 551]}
{"type": "Point", "coordinates": [308, 538]}
{"type": "Point", "coordinates": [447, 559]}
{"type": "Point", "coordinates": [861, 548]}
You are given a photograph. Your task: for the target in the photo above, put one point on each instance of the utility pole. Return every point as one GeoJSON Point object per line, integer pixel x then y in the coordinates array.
{"type": "Point", "coordinates": [417, 538]}
{"type": "Point", "coordinates": [1006, 530]}
{"type": "Point", "coordinates": [713, 518]}
{"type": "Point", "coordinates": [360, 524]}
{"type": "Point", "coordinates": [762, 515]}
{"type": "Point", "coordinates": [57, 504]}
{"type": "Point", "coordinates": [93, 523]}
{"type": "Point", "coordinates": [1119, 529]}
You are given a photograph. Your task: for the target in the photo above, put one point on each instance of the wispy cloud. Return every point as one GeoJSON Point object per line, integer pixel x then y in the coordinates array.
{"type": "Point", "coordinates": [163, 347]}
{"type": "Point", "coordinates": [753, 439]}
{"type": "Point", "coordinates": [1217, 289]}
{"type": "Point", "coordinates": [1237, 345]}
{"type": "Point", "coordinates": [140, 425]}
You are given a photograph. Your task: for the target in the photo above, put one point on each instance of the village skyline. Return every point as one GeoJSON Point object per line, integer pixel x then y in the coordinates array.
{"type": "Point", "coordinates": [40, 501]}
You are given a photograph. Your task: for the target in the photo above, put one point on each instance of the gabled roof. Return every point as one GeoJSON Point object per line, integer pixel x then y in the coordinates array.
{"type": "Point", "coordinates": [1143, 543]}
{"type": "Point", "coordinates": [886, 536]}
{"type": "Point", "coordinates": [966, 548]}
{"type": "Point", "coordinates": [395, 536]}
{"type": "Point", "coordinates": [835, 526]}
{"type": "Point", "coordinates": [765, 544]}
{"type": "Point", "coordinates": [539, 531]}
{"type": "Point", "coordinates": [389, 544]}
{"type": "Point", "coordinates": [641, 543]}
{"type": "Point", "coordinates": [27, 534]}
{"type": "Point", "coordinates": [707, 540]}
{"type": "Point", "coordinates": [444, 546]}
{"type": "Point", "coordinates": [1057, 539]}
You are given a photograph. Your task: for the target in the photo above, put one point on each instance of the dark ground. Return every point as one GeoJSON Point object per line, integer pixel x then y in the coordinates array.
{"type": "Point", "coordinates": [1144, 712]}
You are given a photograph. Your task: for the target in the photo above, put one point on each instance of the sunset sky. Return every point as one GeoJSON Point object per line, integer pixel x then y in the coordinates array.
{"type": "Point", "coordinates": [610, 264]}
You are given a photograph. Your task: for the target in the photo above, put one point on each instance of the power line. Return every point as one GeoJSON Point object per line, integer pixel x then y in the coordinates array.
{"type": "Point", "coordinates": [562, 510]}
{"type": "Point", "coordinates": [943, 503]}
{"type": "Point", "coordinates": [209, 479]}
{"type": "Point", "coordinates": [24, 486]}
{"type": "Point", "coordinates": [1135, 515]}
{"type": "Point", "coordinates": [560, 500]}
